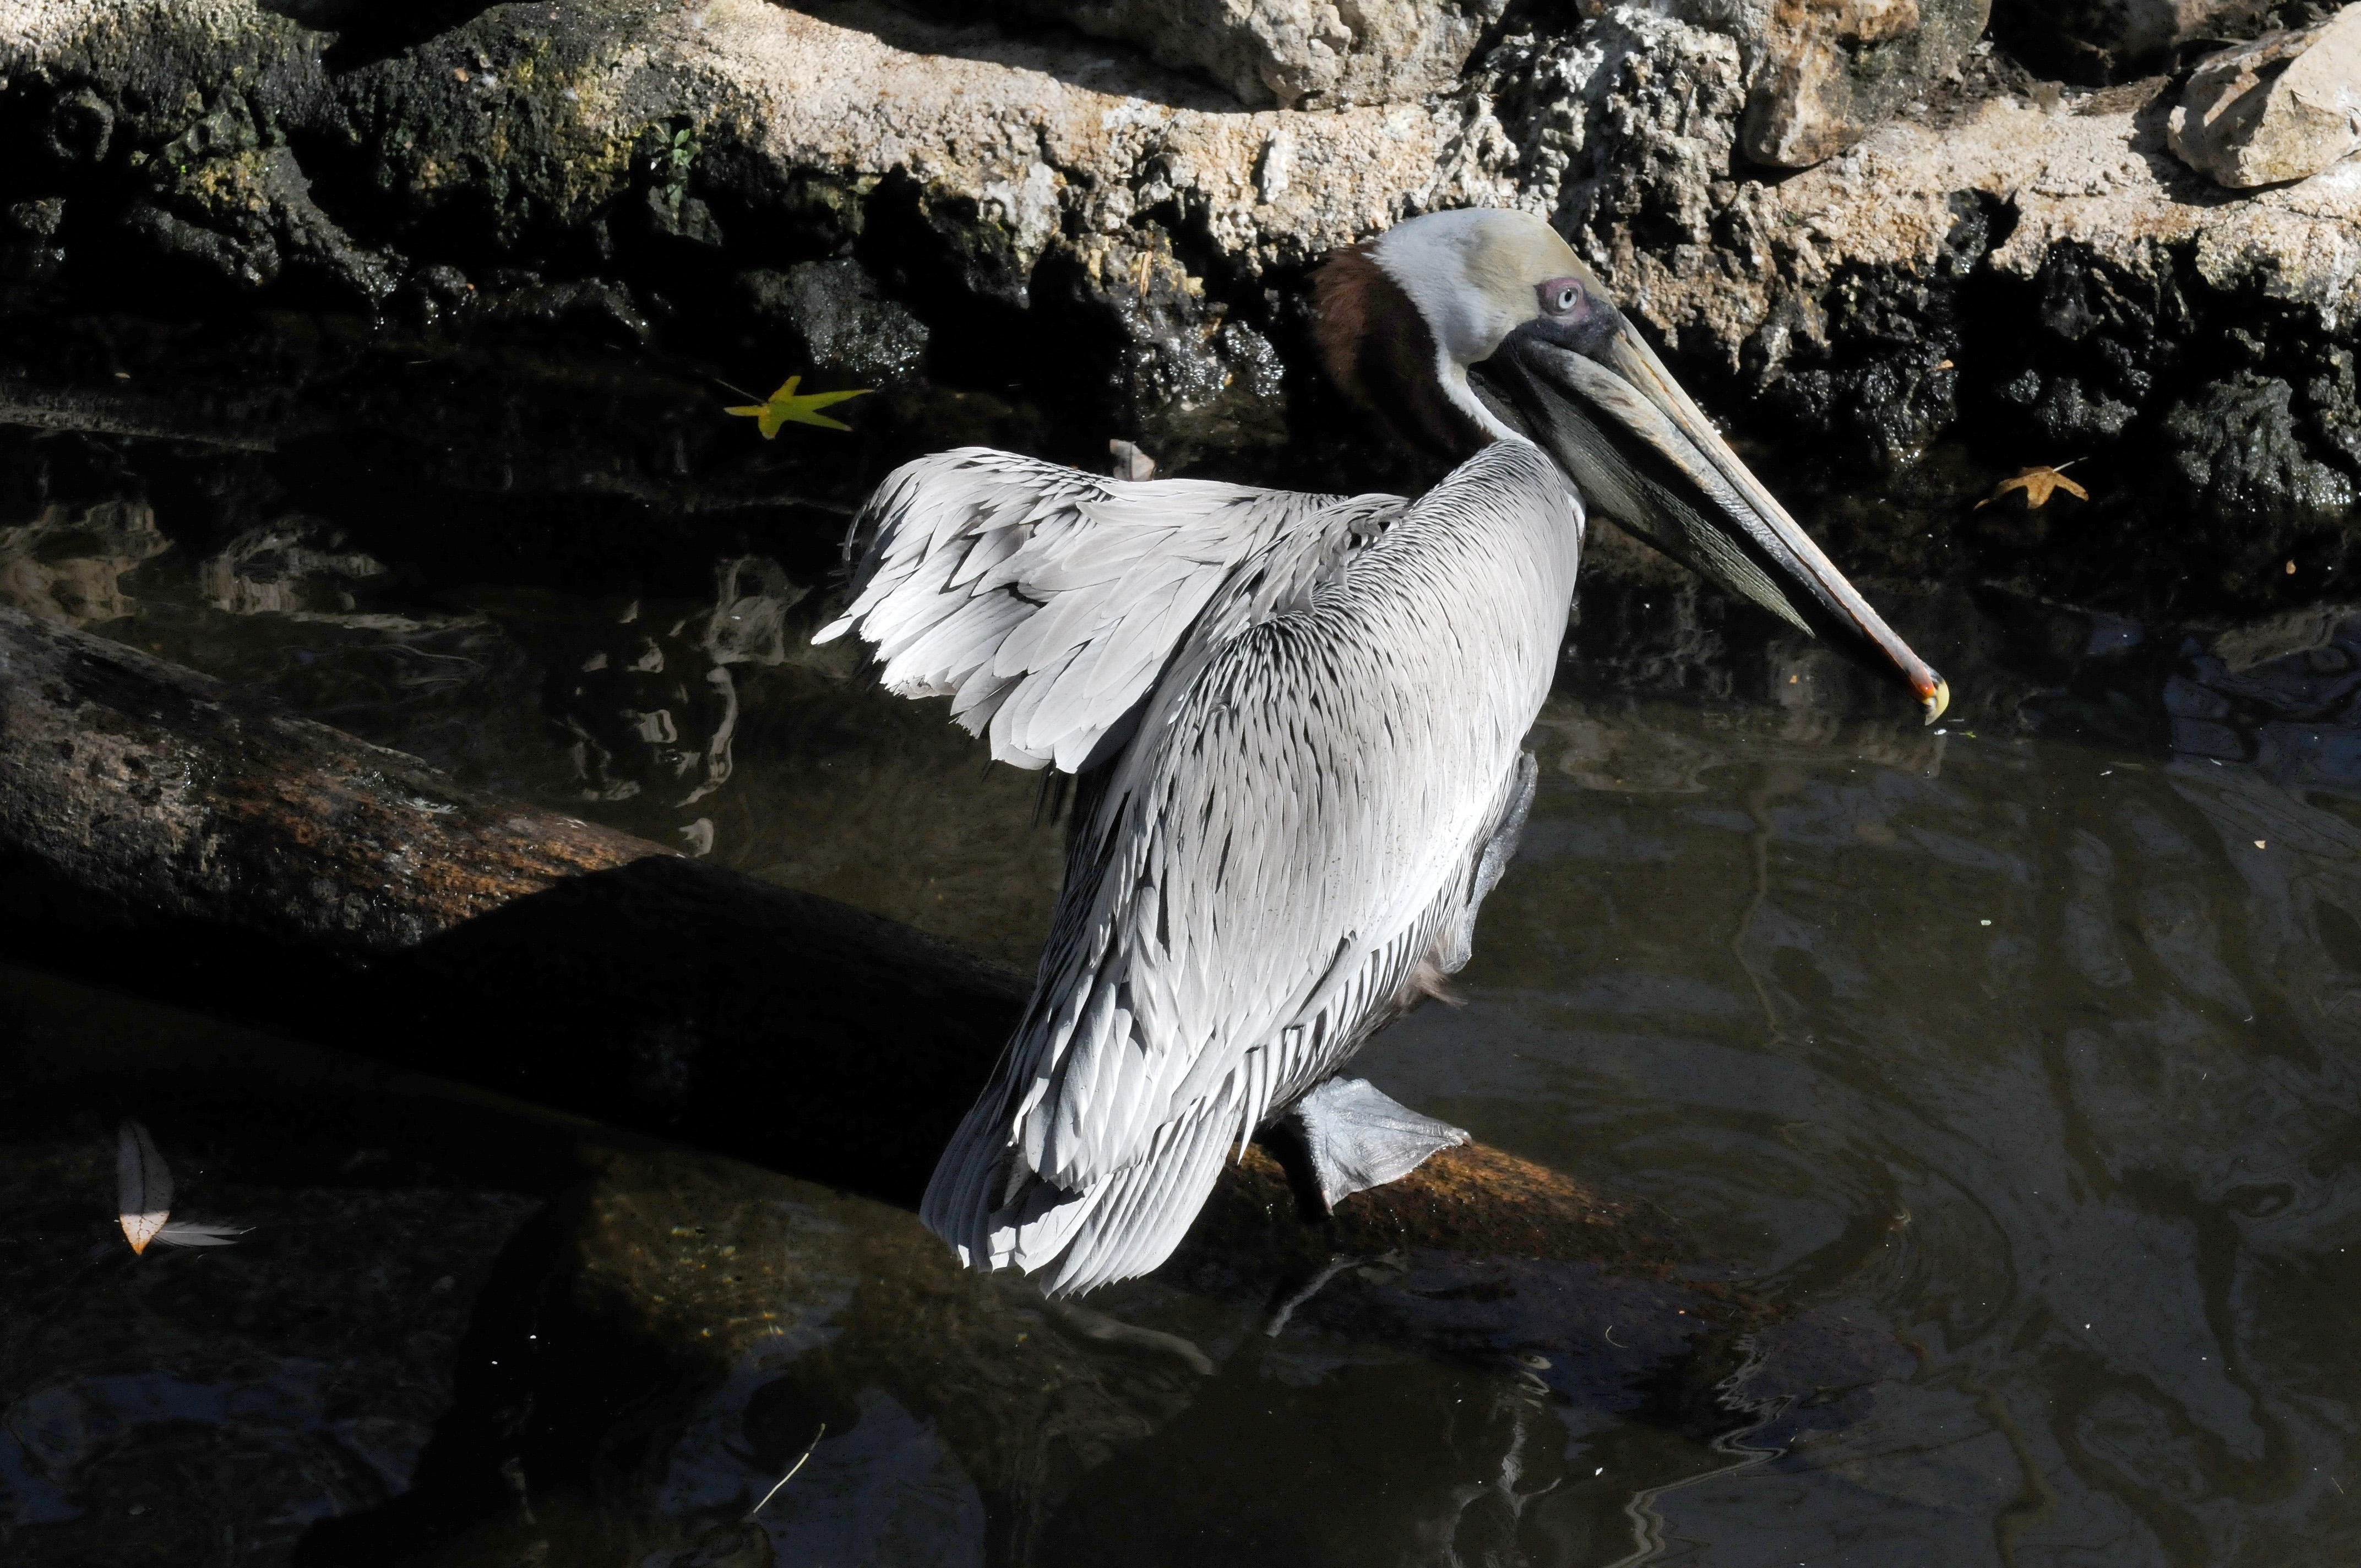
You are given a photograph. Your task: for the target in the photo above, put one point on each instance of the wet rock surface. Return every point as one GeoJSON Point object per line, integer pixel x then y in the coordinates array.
{"type": "Point", "coordinates": [1824, 73]}
{"type": "Point", "coordinates": [845, 323]}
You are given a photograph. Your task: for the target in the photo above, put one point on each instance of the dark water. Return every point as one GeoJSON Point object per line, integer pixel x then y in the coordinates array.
{"type": "Point", "coordinates": [2020, 1059]}
{"type": "Point", "coordinates": [2041, 1054]}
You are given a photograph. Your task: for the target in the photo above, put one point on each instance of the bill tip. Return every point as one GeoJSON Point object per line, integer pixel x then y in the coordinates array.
{"type": "Point", "coordinates": [1938, 700]}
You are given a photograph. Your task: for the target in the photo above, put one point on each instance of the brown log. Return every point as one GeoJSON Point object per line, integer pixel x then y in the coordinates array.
{"type": "Point", "coordinates": [164, 833]}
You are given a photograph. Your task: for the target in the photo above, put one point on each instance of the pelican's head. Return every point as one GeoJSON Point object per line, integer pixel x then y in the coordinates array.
{"type": "Point", "coordinates": [1406, 317]}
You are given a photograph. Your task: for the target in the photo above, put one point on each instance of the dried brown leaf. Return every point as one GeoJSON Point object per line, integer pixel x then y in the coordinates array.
{"type": "Point", "coordinates": [2038, 483]}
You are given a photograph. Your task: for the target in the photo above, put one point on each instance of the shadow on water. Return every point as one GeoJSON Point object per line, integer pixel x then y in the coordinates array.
{"type": "Point", "coordinates": [464, 1330]}
{"type": "Point", "coordinates": [641, 995]}
{"type": "Point", "coordinates": [2019, 1058]}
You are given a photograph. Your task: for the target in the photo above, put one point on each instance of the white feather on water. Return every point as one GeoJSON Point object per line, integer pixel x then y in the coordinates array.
{"type": "Point", "coordinates": [143, 1190]}
{"type": "Point", "coordinates": [143, 1186]}
{"type": "Point", "coordinates": [198, 1232]}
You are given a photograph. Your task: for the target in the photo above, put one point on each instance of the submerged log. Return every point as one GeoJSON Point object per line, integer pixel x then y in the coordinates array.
{"type": "Point", "coordinates": [164, 833]}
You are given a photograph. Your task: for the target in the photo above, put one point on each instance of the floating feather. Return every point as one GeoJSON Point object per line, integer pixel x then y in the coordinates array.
{"type": "Point", "coordinates": [197, 1233]}
{"type": "Point", "coordinates": [143, 1185]}
{"type": "Point", "coordinates": [790, 1476]}
{"type": "Point", "coordinates": [143, 1189]}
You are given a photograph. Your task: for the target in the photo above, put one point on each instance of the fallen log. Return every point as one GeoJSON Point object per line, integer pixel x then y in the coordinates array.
{"type": "Point", "coordinates": [162, 833]}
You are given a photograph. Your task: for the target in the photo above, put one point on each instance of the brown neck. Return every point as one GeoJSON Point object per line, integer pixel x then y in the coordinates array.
{"type": "Point", "coordinates": [1381, 355]}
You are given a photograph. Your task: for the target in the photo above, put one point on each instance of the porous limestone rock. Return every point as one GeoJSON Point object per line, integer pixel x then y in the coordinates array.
{"type": "Point", "coordinates": [2283, 107]}
{"type": "Point", "coordinates": [1297, 54]}
{"type": "Point", "coordinates": [1625, 137]}
{"type": "Point", "coordinates": [231, 197]}
{"type": "Point", "coordinates": [2046, 265]}
{"type": "Point", "coordinates": [1823, 74]}
{"type": "Point", "coordinates": [535, 116]}
{"type": "Point", "coordinates": [2054, 270]}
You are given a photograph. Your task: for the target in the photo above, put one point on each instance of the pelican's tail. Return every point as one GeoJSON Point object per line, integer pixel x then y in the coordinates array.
{"type": "Point", "coordinates": [1117, 1226]}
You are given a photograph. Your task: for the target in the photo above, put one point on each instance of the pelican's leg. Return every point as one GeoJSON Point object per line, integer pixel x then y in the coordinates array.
{"type": "Point", "coordinates": [1357, 1138]}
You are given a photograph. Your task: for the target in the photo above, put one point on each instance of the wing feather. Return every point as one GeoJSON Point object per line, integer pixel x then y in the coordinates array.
{"type": "Point", "coordinates": [1043, 600]}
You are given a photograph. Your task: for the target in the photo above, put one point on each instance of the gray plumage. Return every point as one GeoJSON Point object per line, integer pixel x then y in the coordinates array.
{"type": "Point", "coordinates": [1297, 720]}
{"type": "Point", "coordinates": [1300, 722]}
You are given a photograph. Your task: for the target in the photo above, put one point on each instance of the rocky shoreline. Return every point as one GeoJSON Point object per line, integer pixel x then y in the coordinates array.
{"type": "Point", "coordinates": [2020, 267]}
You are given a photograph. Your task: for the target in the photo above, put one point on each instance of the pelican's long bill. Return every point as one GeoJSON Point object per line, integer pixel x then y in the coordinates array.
{"type": "Point", "coordinates": [1642, 455]}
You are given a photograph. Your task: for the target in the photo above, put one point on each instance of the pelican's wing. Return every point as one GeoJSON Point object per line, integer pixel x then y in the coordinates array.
{"type": "Point", "coordinates": [1044, 600]}
{"type": "Point", "coordinates": [1301, 823]}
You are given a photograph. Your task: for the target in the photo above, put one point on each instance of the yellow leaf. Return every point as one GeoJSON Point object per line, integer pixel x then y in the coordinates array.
{"type": "Point", "coordinates": [787, 405]}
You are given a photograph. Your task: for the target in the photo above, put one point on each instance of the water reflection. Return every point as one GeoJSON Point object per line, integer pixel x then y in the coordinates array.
{"type": "Point", "coordinates": [2042, 1054]}
{"type": "Point", "coordinates": [68, 562]}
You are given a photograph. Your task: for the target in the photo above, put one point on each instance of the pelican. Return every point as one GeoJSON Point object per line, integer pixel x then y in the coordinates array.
{"type": "Point", "coordinates": [1297, 723]}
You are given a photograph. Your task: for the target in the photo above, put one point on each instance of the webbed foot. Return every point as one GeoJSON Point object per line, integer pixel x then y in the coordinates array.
{"type": "Point", "coordinates": [1357, 1138]}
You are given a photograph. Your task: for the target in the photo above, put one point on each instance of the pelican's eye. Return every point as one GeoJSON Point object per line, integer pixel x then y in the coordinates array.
{"type": "Point", "coordinates": [1562, 297]}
